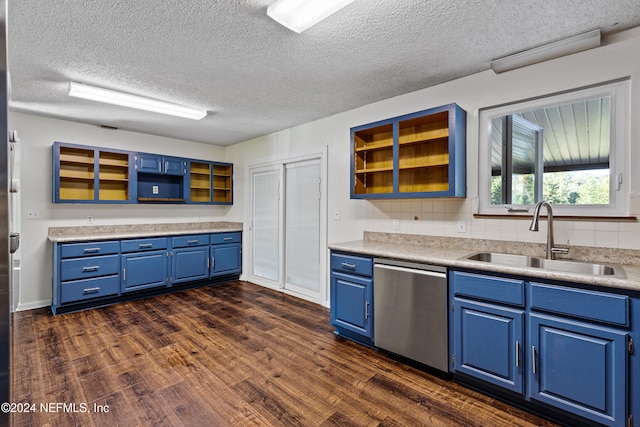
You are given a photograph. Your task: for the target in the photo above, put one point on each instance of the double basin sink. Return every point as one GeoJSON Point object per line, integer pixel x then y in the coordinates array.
{"type": "Point", "coordinates": [566, 266]}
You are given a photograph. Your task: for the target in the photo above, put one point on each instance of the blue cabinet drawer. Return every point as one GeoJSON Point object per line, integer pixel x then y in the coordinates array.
{"type": "Point", "coordinates": [91, 288]}
{"type": "Point", "coordinates": [138, 245]}
{"type": "Point", "coordinates": [580, 303]}
{"type": "Point", "coordinates": [80, 268]}
{"type": "Point", "coordinates": [187, 241]}
{"type": "Point", "coordinates": [233, 237]}
{"type": "Point", "coordinates": [352, 264]}
{"type": "Point", "coordinates": [489, 288]}
{"type": "Point", "coordinates": [75, 250]}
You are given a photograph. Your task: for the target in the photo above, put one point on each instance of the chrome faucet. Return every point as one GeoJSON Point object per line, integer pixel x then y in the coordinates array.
{"type": "Point", "coordinates": [551, 249]}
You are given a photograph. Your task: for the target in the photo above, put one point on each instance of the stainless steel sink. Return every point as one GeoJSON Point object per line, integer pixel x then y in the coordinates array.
{"type": "Point", "coordinates": [576, 267]}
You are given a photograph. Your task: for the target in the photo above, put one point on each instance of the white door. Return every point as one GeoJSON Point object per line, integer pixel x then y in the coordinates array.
{"type": "Point", "coordinates": [265, 225]}
{"type": "Point", "coordinates": [302, 228]}
{"type": "Point", "coordinates": [286, 223]}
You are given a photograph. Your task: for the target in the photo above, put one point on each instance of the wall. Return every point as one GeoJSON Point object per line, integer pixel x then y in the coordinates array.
{"type": "Point", "coordinates": [37, 135]}
{"type": "Point", "coordinates": [617, 58]}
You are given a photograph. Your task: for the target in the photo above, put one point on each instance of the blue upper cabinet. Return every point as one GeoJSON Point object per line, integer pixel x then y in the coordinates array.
{"type": "Point", "coordinates": [84, 174]}
{"type": "Point", "coordinates": [412, 156]}
{"type": "Point", "coordinates": [154, 163]}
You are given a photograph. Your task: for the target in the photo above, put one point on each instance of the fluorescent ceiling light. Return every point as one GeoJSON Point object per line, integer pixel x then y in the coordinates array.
{"type": "Point", "coordinates": [298, 15]}
{"type": "Point", "coordinates": [108, 96]}
{"type": "Point", "coordinates": [545, 52]}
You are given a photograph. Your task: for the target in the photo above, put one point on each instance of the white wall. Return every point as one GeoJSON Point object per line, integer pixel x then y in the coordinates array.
{"type": "Point", "coordinates": [37, 135]}
{"type": "Point", "coordinates": [617, 58]}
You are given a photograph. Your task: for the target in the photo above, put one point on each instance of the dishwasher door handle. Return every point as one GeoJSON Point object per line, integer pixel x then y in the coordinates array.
{"type": "Point", "coordinates": [411, 270]}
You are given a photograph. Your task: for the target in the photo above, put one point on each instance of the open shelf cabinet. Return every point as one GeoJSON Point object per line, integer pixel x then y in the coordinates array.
{"type": "Point", "coordinates": [222, 183]}
{"type": "Point", "coordinates": [84, 174]}
{"type": "Point", "coordinates": [416, 155]}
{"type": "Point", "coordinates": [200, 182]}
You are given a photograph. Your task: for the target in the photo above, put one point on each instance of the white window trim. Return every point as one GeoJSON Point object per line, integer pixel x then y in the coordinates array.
{"type": "Point", "coordinates": [618, 156]}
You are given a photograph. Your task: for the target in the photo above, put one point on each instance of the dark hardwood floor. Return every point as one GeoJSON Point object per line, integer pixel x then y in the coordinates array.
{"type": "Point", "coordinates": [228, 355]}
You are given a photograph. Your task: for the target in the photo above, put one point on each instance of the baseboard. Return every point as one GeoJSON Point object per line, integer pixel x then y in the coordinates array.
{"type": "Point", "coordinates": [33, 305]}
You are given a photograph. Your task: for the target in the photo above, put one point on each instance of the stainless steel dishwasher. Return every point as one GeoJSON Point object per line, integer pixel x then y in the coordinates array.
{"type": "Point", "coordinates": [410, 311]}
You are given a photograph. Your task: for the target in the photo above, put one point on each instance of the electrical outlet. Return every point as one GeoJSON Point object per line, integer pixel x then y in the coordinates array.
{"type": "Point", "coordinates": [336, 215]}
{"type": "Point", "coordinates": [33, 213]}
{"type": "Point", "coordinates": [395, 224]}
{"type": "Point", "coordinates": [462, 226]}
{"type": "Point", "coordinates": [90, 219]}
{"type": "Point", "coordinates": [154, 189]}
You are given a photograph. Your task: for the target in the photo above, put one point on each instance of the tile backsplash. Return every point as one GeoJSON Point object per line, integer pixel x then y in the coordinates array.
{"type": "Point", "coordinates": [449, 217]}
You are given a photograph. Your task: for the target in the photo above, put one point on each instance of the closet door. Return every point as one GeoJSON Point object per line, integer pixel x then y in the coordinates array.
{"type": "Point", "coordinates": [302, 227]}
{"type": "Point", "coordinates": [266, 224]}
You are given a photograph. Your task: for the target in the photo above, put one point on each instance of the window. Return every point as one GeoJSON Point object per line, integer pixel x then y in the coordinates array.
{"type": "Point", "coordinates": [570, 149]}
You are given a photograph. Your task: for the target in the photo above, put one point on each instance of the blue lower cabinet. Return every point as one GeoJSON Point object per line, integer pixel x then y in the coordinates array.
{"type": "Point", "coordinates": [80, 290]}
{"type": "Point", "coordinates": [225, 259]}
{"type": "Point", "coordinates": [352, 303]}
{"type": "Point", "coordinates": [144, 270]}
{"type": "Point", "coordinates": [189, 264]}
{"type": "Point", "coordinates": [488, 343]}
{"type": "Point", "coordinates": [580, 368]}
{"type": "Point", "coordinates": [577, 359]}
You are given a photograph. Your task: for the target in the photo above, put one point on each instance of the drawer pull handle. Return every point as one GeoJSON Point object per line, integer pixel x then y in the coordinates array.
{"type": "Point", "coordinates": [227, 238]}
{"type": "Point", "coordinates": [517, 354]}
{"type": "Point", "coordinates": [91, 268]}
{"type": "Point", "coordinates": [192, 242]}
{"type": "Point", "coordinates": [533, 358]}
{"type": "Point", "coordinates": [91, 291]}
{"type": "Point", "coordinates": [91, 250]}
{"type": "Point", "coordinates": [349, 266]}
{"type": "Point", "coordinates": [145, 245]}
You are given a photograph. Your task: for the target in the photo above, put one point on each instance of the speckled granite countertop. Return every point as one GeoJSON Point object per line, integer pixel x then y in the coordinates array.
{"type": "Point", "coordinates": [447, 252]}
{"type": "Point", "coordinates": [127, 231]}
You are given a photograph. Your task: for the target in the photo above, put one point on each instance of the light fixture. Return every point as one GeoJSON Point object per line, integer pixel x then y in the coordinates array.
{"type": "Point", "coordinates": [545, 52]}
{"type": "Point", "coordinates": [109, 96]}
{"type": "Point", "coordinates": [298, 15]}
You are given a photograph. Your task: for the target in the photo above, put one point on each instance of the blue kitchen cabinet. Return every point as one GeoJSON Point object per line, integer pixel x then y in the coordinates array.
{"type": "Point", "coordinates": [189, 258]}
{"type": "Point", "coordinates": [226, 254]}
{"type": "Point", "coordinates": [85, 174]}
{"type": "Point", "coordinates": [154, 163]}
{"type": "Point", "coordinates": [144, 264]}
{"type": "Point", "coordinates": [489, 342]}
{"type": "Point", "coordinates": [352, 296]}
{"type": "Point", "coordinates": [85, 272]}
{"type": "Point", "coordinates": [416, 155]}
{"type": "Point", "coordinates": [577, 356]}
{"type": "Point", "coordinates": [579, 367]}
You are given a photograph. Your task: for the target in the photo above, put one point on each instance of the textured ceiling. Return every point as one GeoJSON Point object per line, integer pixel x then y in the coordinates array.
{"type": "Point", "coordinates": [256, 77]}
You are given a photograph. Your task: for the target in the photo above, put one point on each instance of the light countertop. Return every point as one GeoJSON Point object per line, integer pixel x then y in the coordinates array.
{"type": "Point", "coordinates": [128, 231]}
{"type": "Point", "coordinates": [450, 257]}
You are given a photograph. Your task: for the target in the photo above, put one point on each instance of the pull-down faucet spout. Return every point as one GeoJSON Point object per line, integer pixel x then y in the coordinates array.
{"type": "Point", "coordinates": [551, 249]}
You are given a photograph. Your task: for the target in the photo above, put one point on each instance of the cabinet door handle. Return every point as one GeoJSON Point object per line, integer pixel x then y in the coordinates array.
{"type": "Point", "coordinates": [124, 274]}
{"type": "Point", "coordinates": [517, 354]}
{"type": "Point", "coordinates": [90, 268]}
{"type": "Point", "coordinates": [213, 262]}
{"type": "Point", "coordinates": [145, 245]}
{"type": "Point", "coordinates": [207, 263]}
{"type": "Point", "coordinates": [366, 309]}
{"type": "Point", "coordinates": [91, 291]}
{"type": "Point", "coordinates": [349, 266]}
{"type": "Point", "coordinates": [192, 242]}
{"type": "Point", "coordinates": [533, 358]}
{"type": "Point", "coordinates": [91, 250]}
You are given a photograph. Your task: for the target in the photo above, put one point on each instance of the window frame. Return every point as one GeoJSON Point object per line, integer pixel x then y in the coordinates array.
{"type": "Point", "coordinates": [619, 93]}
